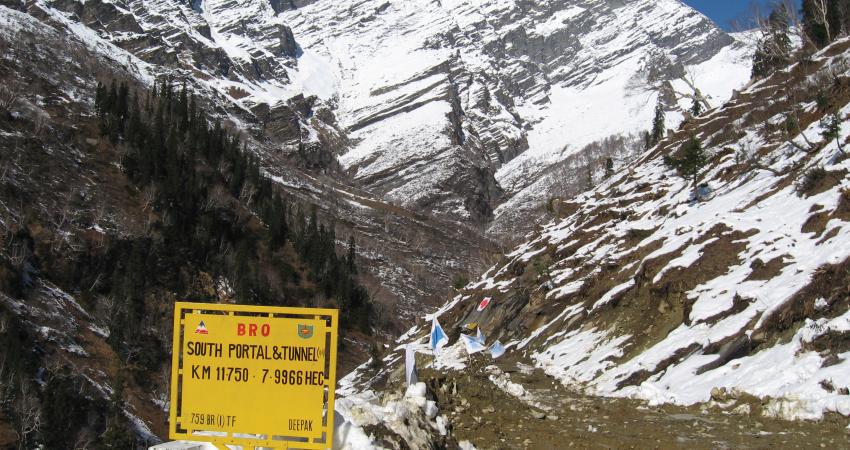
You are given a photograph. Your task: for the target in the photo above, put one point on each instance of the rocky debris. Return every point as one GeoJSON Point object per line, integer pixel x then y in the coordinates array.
{"type": "Point", "coordinates": [722, 394]}
{"type": "Point", "coordinates": [495, 419]}
{"type": "Point", "coordinates": [398, 418]}
{"type": "Point", "coordinates": [735, 348]}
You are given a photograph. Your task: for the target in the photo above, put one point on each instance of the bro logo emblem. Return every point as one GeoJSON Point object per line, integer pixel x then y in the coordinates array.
{"type": "Point", "coordinates": [305, 331]}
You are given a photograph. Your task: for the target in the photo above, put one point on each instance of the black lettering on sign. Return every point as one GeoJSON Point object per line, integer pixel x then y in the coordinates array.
{"type": "Point", "coordinates": [253, 351]}
{"type": "Point", "coordinates": [200, 372]}
{"type": "Point", "coordinates": [231, 374]}
{"type": "Point", "coordinates": [314, 378]}
{"type": "Point", "coordinates": [300, 425]}
{"type": "Point", "coordinates": [204, 349]}
{"type": "Point", "coordinates": [302, 353]}
{"type": "Point", "coordinates": [212, 419]}
{"type": "Point", "coordinates": [294, 377]}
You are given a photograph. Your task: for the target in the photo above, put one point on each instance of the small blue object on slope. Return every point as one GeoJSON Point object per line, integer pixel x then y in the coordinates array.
{"type": "Point", "coordinates": [497, 350]}
{"type": "Point", "coordinates": [438, 337]}
{"type": "Point", "coordinates": [473, 345]}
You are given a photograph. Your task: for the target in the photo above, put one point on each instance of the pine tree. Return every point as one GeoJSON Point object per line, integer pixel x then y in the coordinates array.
{"type": "Point", "coordinates": [192, 114]}
{"type": "Point", "coordinates": [313, 225]}
{"type": "Point", "coordinates": [774, 49]}
{"type": "Point", "coordinates": [183, 108]}
{"type": "Point", "coordinates": [133, 126]}
{"type": "Point", "coordinates": [609, 167]}
{"type": "Point", "coordinates": [646, 137]}
{"type": "Point", "coordinates": [691, 162]}
{"type": "Point", "coordinates": [588, 182]}
{"type": "Point", "coordinates": [831, 125]}
{"type": "Point", "coordinates": [350, 257]}
{"type": "Point", "coordinates": [276, 219]}
{"type": "Point", "coordinates": [112, 97]}
{"type": "Point", "coordinates": [100, 99]}
{"type": "Point", "coordinates": [696, 107]}
{"type": "Point", "coordinates": [63, 411]}
{"type": "Point", "coordinates": [658, 128]}
{"type": "Point", "coordinates": [118, 435]}
{"type": "Point", "coordinates": [123, 104]}
{"type": "Point", "coordinates": [300, 224]}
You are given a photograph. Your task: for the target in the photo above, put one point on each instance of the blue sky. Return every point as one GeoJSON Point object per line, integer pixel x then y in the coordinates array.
{"type": "Point", "coordinates": [725, 11]}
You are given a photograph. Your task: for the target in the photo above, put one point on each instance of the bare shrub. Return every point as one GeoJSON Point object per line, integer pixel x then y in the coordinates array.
{"type": "Point", "coordinates": [39, 123]}
{"type": "Point", "coordinates": [811, 179]}
{"type": "Point", "coordinates": [8, 98]}
{"type": "Point", "coordinates": [28, 413]}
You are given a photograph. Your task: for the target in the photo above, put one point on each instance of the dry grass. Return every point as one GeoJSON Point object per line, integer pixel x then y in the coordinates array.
{"type": "Point", "coordinates": [766, 270]}
{"type": "Point", "coordinates": [831, 282]}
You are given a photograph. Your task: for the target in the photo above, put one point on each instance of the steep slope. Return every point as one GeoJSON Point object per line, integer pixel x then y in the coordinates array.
{"type": "Point", "coordinates": [461, 105]}
{"type": "Point", "coordinates": [242, 59]}
{"type": "Point", "coordinates": [734, 297]}
{"type": "Point", "coordinates": [644, 292]}
{"type": "Point", "coordinates": [469, 111]}
{"type": "Point", "coordinates": [92, 255]}
{"type": "Point", "coordinates": [461, 108]}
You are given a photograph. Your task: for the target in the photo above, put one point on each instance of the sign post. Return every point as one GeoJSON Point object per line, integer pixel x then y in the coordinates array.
{"type": "Point", "coordinates": [253, 376]}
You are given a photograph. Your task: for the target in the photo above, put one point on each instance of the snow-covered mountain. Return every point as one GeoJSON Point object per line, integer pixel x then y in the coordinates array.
{"type": "Point", "coordinates": [463, 108]}
{"type": "Point", "coordinates": [269, 98]}
{"type": "Point", "coordinates": [459, 106]}
{"type": "Point", "coordinates": [730, 300]}
{"type": "Point", "coordinates": [642, 292]}
{"type": "Point", "coordinates": [479, 111]}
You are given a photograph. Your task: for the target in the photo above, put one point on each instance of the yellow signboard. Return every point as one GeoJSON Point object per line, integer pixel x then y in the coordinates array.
{"type": "Point", "coordinates": [253, 375]}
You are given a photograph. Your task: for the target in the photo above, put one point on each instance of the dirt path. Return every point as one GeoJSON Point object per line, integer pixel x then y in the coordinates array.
{"type": "Point", "coordinates": [545, 415]}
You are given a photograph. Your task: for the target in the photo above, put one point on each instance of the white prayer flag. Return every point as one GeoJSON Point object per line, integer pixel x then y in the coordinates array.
{"type": "Point", "coordinates": [410, 365]}
{"type": "Point", "coordinates": [479, 336]}
{"type": "Point", "coordinates": [472, 344]}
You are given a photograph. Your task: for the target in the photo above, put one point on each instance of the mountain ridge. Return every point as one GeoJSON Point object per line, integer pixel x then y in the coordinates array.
{"type": "Point", "coordinates": [494, 94]}
{"type": "Point", "coordinates": [457, 109]}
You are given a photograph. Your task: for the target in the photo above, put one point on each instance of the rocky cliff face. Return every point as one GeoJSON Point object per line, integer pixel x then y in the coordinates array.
{"type": "Point", "coordinates": [460, 108]}
{"type": "Point", "coordinates": [240, 51]}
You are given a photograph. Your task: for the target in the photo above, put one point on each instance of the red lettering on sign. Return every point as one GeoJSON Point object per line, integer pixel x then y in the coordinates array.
{"type": "Point", "coordinates": [251, 329]}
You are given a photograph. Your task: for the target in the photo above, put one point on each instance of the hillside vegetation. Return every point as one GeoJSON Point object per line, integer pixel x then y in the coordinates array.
{"type": "Point", "coordinates": [116, 200]}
